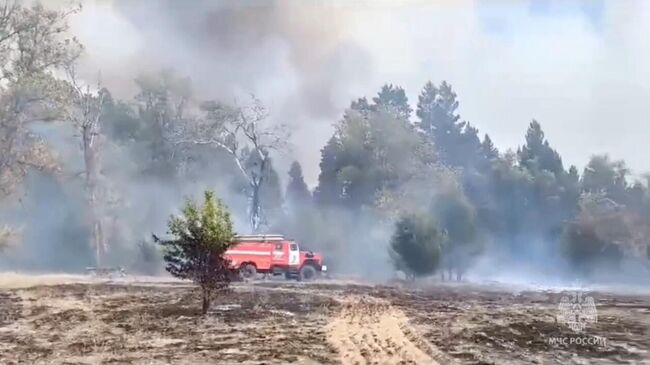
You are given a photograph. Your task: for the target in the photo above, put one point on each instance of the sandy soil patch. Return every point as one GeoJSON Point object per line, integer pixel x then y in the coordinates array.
{"type": "Point", "coordinates": [369, 331]}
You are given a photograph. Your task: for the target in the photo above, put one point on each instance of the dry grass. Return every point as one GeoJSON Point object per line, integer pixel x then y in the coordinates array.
{"type": "Point", "coordinates": [15, 280]}
{"type": "Point", "coordinates": [75, 320]}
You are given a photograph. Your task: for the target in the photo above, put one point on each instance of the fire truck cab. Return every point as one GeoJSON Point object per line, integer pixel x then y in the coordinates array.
{"type": "Point", "coordinates": [275, 255]}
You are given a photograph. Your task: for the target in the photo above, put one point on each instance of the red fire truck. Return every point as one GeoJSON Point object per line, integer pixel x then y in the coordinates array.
{"type": "Point", "coordinates": [273, 254]}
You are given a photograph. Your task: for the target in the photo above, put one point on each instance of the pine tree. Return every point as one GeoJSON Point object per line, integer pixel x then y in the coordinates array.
{"type": "Point", "coordinates": [537, 154]}
{"type": "Point", "coordinates": [426, 107]}
{"type": "Point", "coordinates": [393, 99]}
{"type": "Point", "coordinates": [456, 141]}
{"type": "Point", "coordinates": [297, 191]}
{"type": "Point", "coordinates": [327, 192]}
{"type": "Point", "coordinates": [447, 105]}
{"type": "Point", "coordinates": [436, 110]}
{"type": "Point", "coordinates": [488, 149]}
{"type": "Point", "coordinates": [469, 147]}
{"type": "Point", "coordinates": [361, 105]}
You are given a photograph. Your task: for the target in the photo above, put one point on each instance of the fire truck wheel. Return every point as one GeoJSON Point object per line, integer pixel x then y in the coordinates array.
{"type": "Point", "coordinates": [307, 273]}
{"type": "Point", "coordinates": [248, 271]}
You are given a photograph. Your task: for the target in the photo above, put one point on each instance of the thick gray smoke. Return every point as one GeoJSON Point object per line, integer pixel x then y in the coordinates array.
{"type": "Point", "coordinates": [295, 56]}
{"type": "Point", "coordinates": [508, 61]}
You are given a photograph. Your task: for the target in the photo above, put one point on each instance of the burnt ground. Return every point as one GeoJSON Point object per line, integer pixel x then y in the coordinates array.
{"type": "Point", "coordinates": [314, 323]}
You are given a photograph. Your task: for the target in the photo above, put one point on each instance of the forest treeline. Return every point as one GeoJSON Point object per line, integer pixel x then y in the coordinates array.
{"type": "Point", "coordinates": [402, 183]}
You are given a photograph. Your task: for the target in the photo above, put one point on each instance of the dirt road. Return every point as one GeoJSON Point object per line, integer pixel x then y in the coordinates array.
{"type": "Point", "coordinates": [158, 322]}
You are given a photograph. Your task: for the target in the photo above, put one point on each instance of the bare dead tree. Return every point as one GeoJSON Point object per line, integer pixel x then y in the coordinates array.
{"type": "Point", "coordinates": [243, 132]}
{"type": "Point", "coordinates": [85, 113]}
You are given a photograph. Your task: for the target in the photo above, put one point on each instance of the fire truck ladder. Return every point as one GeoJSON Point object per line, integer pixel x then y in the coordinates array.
{"type": "Point", "coordinates": [259, 237]}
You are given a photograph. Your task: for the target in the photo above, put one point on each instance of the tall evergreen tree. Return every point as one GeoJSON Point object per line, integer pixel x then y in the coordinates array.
{"type": "Point", "coordinates": [436, 110]}
{"type": "Point", "coordinates": [393, 99]}
{"type": "Point", "coordinates": [469, 147]}
{"type": "Point", "coordinates": [361, 105]}
{"type": "Point", "coordinates": [537, 153]}
{"type": "Point", "coordinates": [426, 106]}
{"type": "Point", "coordinates": [573, 174]}
{"type": "Point", "coordinates": [297, 191]}
{"type": "Point", "coordinates": [456, 141]}
{"type": "Point", "coordinates": [327, 191]}
{"type": "Point", "coordinates": [488, 148]}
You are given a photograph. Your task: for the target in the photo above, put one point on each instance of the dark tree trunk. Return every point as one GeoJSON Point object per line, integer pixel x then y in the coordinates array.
{"type": "Point", "coordinates": [255, 208]}
{"type": "Point", "coordinates": [256, 203]}
{"type": "Point", "coordinates": [90, 161]}
{"type": "Point", "coordinates": [206, 303]}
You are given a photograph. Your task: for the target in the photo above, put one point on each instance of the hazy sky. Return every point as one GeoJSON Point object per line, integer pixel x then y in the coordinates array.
{"type": "Point", "coordinates": [580, 68]}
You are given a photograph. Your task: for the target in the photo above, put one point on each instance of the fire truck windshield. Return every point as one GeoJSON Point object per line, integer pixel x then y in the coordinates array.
{"type": "Point", "coordinates": [293, 247]}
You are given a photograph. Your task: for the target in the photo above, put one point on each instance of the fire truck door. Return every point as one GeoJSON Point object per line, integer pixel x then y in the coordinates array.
{"type": "Point", "coordinates": [279, 256]}
{"type": "Point", "coordinates": [294, 255]}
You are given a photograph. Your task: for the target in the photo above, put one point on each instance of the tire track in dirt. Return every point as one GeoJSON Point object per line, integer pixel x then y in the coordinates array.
{"type": "Point", "coordinates": [370, 331]}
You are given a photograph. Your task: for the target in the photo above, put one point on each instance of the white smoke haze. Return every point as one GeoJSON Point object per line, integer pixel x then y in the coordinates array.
{"type": "Point", "coordinates": [577, 67]}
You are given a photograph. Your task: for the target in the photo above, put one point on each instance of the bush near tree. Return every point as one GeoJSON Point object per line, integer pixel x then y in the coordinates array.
{"type": "Point", "coordinates": [457, 218]}
{"type": "Point", "coordinates": [416, 245]}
